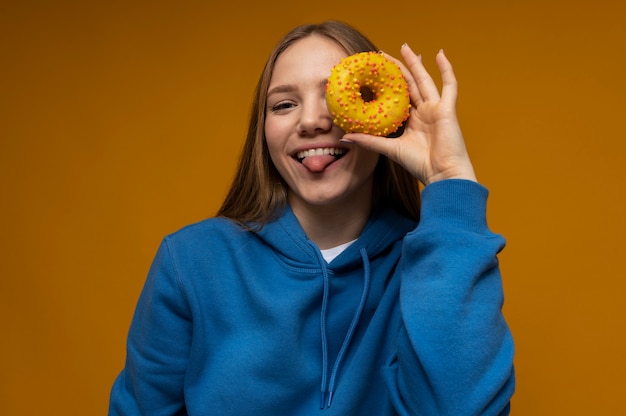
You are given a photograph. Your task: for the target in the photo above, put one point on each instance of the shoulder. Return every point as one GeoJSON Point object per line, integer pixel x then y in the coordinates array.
{"type": "Point", "coordinates": [211, 232]}
{"type": "Point", "coordinates": [212, 226]}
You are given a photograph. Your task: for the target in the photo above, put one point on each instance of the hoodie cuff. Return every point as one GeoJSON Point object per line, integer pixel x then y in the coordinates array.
{"type": "Point", "coordinates": [455, 203]}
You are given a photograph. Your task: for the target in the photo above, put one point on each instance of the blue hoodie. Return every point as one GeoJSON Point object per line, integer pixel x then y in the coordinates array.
{"type": "Point", "coordinates": [407, 320]}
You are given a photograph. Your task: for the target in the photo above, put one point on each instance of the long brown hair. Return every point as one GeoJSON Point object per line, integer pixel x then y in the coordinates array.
{"type": "Point", "coordinates": [258, 194]}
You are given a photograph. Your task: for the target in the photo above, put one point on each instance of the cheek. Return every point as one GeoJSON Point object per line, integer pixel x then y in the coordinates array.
{"type": "Point", "coordinates": [273, 134]}
{"type": "Point", "coordinates": [275, 143]}
{"type": "Point", "coordinates": [272, 146]}
{"type": "Point", "coordinates": [278, 130]}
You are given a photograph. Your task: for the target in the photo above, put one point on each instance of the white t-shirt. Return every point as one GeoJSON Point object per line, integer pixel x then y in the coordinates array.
{"type": "Point", "coordinates": [330, 253]}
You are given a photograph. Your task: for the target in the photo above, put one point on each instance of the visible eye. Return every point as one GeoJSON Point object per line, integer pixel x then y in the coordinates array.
{"type": "Point", "coordinates": [282, 106]}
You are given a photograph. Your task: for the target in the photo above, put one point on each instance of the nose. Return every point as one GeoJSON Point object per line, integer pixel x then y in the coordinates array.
{"type": "Point", "coordinates": [314, 117]}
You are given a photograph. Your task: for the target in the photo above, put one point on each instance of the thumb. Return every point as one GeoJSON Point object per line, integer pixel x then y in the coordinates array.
{"type": "Point", "coordinates": [383, 145]}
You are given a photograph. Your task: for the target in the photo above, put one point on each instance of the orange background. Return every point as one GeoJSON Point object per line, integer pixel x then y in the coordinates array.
{"type": "Point", "coordinates": [122, 121]}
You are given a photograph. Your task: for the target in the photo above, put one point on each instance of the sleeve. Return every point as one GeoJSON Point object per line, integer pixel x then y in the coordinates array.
{"type": "Point", "coordinates": [455, 350]}
{"type": "Point", "coordinates": [159, 339]}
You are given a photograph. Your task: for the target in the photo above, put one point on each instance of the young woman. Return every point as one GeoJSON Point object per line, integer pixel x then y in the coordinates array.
{"type": "Point", "coordinates": [323, 287]}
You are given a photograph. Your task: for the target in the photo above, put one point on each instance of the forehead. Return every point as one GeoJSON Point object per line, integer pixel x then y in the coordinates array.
{"type": "Point", "coordinates": [313, 56]}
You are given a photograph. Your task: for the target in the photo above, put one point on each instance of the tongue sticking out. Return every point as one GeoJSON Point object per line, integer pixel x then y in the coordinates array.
{"type": "Point", "coordinates": [317, 163]}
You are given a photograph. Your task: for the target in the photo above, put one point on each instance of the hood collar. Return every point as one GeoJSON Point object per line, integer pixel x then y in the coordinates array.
{"type": "Point", "coordinates": [287, 238]}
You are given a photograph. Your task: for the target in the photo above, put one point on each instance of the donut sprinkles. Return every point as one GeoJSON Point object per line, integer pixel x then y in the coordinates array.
{"type": "Point", "coordinates": [356, 79]}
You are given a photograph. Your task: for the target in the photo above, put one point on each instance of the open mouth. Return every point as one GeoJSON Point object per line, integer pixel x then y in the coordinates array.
{"type": "Point", "coordinates": [335, 152]}
{"type": "Point", "coordinates": [317, 160]}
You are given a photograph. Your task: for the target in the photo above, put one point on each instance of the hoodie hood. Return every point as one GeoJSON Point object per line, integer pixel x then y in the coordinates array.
{"type": "Point", "coordinates": [289, 241]}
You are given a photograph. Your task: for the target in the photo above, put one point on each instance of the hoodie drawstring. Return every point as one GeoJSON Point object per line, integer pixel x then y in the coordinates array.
{"type": "Point", "coordinates": [328, 392]}
{"type": "Point", "coordinates": [323, 328]}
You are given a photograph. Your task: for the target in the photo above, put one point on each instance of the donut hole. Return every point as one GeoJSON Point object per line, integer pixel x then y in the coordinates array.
{"type": "Point", "coordinates": [367, 94]}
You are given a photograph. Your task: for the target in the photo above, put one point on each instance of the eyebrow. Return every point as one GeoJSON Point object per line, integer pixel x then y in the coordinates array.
{"type": "Point", "coordinates": [290, 87]}
{"type": "Point", "coordinates": [281, 88]}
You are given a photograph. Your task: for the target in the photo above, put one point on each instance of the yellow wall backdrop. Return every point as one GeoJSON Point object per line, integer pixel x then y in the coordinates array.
{"type": "Point", "coordinates": [121, 121]}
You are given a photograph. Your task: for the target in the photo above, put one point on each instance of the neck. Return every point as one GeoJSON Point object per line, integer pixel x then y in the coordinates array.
{"type": "Point", "coordinates": [331, 225]}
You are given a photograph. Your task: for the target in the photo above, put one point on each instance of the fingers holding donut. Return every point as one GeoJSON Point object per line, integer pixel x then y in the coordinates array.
{"type": "Point", "coordinates": [411, 65]}
{"type": "Point", "coordinates": [421, 81]}
{"type": "Point", "coordinates": [422, 87]}
{"type": "Point", "coordinates": [431, 146]}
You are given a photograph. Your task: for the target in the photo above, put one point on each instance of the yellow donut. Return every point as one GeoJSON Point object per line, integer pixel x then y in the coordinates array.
{"type": "Point", "coordinates": [386, 103]}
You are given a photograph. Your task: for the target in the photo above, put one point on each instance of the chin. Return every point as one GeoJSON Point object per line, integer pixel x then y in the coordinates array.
{"type": "Point", "coordinates": [325, 198]}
